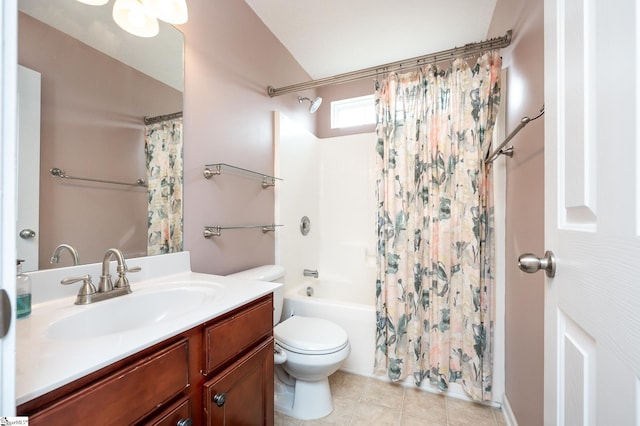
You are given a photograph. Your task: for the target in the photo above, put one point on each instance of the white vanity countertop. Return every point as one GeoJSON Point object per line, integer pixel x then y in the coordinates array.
{"type": "Point", "coordinates": [44, 363]}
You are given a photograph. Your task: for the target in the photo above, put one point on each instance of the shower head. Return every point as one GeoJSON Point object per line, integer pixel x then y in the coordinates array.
{"type": "Point", "coordinates": [315, 104]}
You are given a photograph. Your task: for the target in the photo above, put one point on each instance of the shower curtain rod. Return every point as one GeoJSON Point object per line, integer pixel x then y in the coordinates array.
{"type": "Point", "coordinates": [159, 118]}
{"type": "Point", "coordinates": [509, 151]}
{"type": "Point", "coordinates": [466, 50]}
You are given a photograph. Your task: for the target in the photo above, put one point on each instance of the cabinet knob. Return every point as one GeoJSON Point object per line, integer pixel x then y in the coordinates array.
{"type": "Point", "coordinates": [184, 422]}
{"type": "Point", "coordinates": [220, 399]}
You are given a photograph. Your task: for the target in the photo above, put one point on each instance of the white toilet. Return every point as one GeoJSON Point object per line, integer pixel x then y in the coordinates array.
{"type": "Point", "coordinates": [307, 352]}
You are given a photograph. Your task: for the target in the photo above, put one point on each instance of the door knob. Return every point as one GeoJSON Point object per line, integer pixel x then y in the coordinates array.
{"type": "Point", "coordinates": [5, 313]}
{"type": "Point", "coordinates": [530, 263]}
{"type": "Point", "coordinates": [27, 233]}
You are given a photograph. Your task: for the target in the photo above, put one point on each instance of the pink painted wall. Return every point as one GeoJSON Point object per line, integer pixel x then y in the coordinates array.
{"type": "Point", "coordinates": [230, 60]}
{"type": "Point", "coordinates": [524, 320]}
{"type": "Point", "coordinates": [91, 126]}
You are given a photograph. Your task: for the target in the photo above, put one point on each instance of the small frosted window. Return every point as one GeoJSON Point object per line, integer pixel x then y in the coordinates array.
{"type": "Point", "coordinates": [353, 112]}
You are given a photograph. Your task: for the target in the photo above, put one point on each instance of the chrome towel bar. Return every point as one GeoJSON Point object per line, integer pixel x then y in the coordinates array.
{"type": "Point", "coordinates": [216, 231]}
{"type": "Point", "coordinates": [62, 175]}
{"type": "Point", "coordinates": [509, 150]}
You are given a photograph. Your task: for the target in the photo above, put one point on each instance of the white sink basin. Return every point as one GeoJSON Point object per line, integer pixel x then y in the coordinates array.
{"type": "Point", "coordinates": [139, 309]}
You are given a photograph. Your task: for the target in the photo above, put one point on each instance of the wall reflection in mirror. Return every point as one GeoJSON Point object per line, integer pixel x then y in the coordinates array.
{"type": "Point", "coordinates": [85, 87]}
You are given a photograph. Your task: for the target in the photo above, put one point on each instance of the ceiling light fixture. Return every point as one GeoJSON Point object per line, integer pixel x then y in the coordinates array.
{"type": "Point", "coordinates": [94, 2]}
{"type": "Point", "coordinates": [140, 17]}
{"type": "Point", "coordinates": [171, 11]}
{"type": "Point", "coordinates": [132, 17]}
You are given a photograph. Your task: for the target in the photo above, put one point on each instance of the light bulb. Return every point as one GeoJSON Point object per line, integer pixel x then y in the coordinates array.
{"type": "Point", "coordinates": [171, 11]}
{"type": "Point", "coordinates": [132, 17]}
{"type": "Point", "coordinates": [136, 18]}
{"type": "Point", "coordinates": [94, 2]}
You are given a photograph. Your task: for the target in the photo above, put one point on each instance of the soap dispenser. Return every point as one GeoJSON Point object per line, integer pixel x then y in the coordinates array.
{"type": "Point", "coordinates": [23, 292]}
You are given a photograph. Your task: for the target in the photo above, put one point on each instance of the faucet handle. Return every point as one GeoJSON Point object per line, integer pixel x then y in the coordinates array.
{"type": "Point", "coordinates": [87, 288]}
{"type": "Point", "coordinates": [123, 269]}
{"type": "Point", "coordinates": [123, 281]}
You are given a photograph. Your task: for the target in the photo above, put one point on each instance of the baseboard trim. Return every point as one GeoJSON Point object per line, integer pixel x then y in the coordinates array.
{"type": "Point", "coordinates": [509, 418]}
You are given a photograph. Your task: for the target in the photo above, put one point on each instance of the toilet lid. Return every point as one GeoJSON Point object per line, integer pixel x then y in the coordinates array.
{"type": "Point", "coordinates": [310, 335]}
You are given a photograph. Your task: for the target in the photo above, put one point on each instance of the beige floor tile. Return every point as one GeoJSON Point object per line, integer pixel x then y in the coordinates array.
{"type": "Point", "coordinates": [342, 414]}
{"type": "Point", "coordinates": [425, 405]}
{"type": "Point", "coordinates": [317, 423]}
{"type": "Point", "coordinates": [383, 393]}
{"type": "Point", "coordinates": [499, 415]}
{"type": "Point", "coordinates": [465, 413]}
{"type": "Point", "coordinates": [368, 414]}
{"type": "Point", "coordinates": [282, 420]}
{"type": "Point", "coordinates": [408, 420]}
{"type": "Point", "coordinates": [346, 385]}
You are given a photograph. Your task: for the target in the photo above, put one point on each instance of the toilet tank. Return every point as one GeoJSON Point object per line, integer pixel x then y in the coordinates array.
{"type": "Point", "coordinates": [271, 273]}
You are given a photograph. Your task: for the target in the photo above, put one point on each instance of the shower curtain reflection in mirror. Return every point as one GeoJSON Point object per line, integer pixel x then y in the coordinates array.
{"type": "Point", "coordinates": [163, 148]}
{"type": "Point", "coordinates": [435, 283]}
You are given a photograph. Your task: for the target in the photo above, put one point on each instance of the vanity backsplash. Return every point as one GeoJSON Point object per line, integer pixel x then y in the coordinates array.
{"type": "Point", "coordinates": [46, 283]}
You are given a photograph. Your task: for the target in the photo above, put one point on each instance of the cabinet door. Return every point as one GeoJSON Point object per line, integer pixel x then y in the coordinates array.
{"type": "Point", "coordinates": [242, 394]}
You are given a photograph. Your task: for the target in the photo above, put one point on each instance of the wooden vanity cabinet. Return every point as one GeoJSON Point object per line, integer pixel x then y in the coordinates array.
{"type": "Point", "coordinates": [243, 393]}
{"type": "Point", "coordinates": [178, 380]}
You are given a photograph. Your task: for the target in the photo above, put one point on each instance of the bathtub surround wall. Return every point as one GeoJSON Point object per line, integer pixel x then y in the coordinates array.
{"type": "Point", "coordinates": [92, 131]}
{"type": "Point", "coordinates": [230, 59]}
{"type": "Point", "coordinates": [298, 164]}
{"type": "Point", "coordinates": [330, 181]}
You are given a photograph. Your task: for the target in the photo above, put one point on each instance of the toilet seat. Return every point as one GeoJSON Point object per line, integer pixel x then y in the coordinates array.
{"type": "Point", "coordinates": [310, 336]}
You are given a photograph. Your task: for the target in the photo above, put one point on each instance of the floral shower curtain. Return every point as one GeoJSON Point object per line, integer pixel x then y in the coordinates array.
{"type": "Point", "coordinates": [434, 295]}
{"type": "Point", "coordinates": [163, 147]}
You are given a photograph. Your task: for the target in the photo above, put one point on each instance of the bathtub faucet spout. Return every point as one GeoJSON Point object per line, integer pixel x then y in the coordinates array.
{"type": "Point", "coordinates": [311, 273]}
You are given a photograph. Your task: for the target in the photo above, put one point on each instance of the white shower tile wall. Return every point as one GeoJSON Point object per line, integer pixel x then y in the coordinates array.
{"type": "Point", "coordinates": [332, 181]}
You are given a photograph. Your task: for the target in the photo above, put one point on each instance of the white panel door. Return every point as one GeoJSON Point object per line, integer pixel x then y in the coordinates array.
{"type": "Point", "coordinates": [28, 167]}
{"type": "Point", "coordinates": [592, 212]}
{"type": "Point", "coordinates": [8, 119]}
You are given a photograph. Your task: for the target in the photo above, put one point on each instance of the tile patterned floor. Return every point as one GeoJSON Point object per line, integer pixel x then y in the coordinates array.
{"type": "Point", "coordinates": [366, 401]}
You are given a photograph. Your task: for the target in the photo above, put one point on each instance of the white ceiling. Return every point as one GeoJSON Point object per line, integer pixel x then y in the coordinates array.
{"type": "Point", "coordinates": [329, 37]}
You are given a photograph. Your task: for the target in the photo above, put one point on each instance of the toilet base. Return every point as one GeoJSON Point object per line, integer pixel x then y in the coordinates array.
{"type": "Point", "coordinates": [304, 400]}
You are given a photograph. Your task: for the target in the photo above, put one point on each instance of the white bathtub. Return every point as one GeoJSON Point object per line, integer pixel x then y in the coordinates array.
{"type": "Point", "coordinates": [347, 306]}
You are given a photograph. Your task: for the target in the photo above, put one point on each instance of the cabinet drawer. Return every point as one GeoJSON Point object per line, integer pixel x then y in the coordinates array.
{"type": "Point", "coordinates": [172, 415]}
{"type": "Point", "coordinates": [126, 395]}
{"type": "Point", "coordinates": [234, 335]}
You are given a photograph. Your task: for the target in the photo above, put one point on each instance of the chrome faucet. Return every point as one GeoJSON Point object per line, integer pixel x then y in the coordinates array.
{"type": "Point", "coordinates": [105, 284]}
{"type": "Point", "coordinates": [55, 258]}
{"type": "Point", "coordinates": [106, 290]}
{"type": "Point", "coordinates": [310, 273]}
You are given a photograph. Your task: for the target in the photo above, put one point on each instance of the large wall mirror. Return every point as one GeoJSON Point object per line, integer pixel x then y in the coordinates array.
{"type": "Point", "coordinates": [85, 87]}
